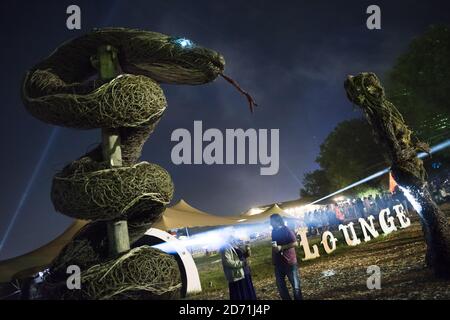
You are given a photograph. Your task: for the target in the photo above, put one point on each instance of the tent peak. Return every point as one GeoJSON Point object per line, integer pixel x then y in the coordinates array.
{"type": "Point", "coordinates": [184, 206]}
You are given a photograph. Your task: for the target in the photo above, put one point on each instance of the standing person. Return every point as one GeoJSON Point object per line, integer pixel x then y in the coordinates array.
{"type": "Point", "coordinates": [366, 202]}
{"type": "Point", "coordinates": [360, 207]}
{"type": "Point", "coordinates": [382, 202]}
{"type": "Point", "coordinates": [284, 258]}
{"type": "Point", "coordinates": [354, 209]}
{"type": "Point", "coordinates": [308, 221]}
{"type": "Point", "coordinates": [331, 218]}
{"type": "Point", "coordinates": [332, 209]}
{"type": "Point", "coordinates": [244, 253]}
{"type": "Point", "coordinates": [377, 202]}
{"type": "Point", "coordinates": [237, 270]}
{"type": "Point", "coordinates": [339, 215]}
{"type": "Point", "coordinates": [443, 194]}
{"type": "Point", "coordinates": [326, 220]}
{"type": "Point", "coordinates": [388, 200]}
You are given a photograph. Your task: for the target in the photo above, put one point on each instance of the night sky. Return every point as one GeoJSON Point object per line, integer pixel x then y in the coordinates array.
{"type": "Point", "coordinates": [292, 56]}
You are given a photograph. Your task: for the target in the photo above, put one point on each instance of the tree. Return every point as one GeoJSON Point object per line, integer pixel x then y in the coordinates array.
{"type": "Point", "coordinates": [366, 91]}
{"type": "Point", "coordinates": [349, 153]}
{"type": "Point", "coordinates": [419, 85]}
{"type": "Point", "coordinates": [315, 184]}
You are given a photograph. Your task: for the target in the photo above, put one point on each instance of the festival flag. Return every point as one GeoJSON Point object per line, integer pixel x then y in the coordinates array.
{"type": "Point", "coordinates": [392, 183]}
{"type": "Point", "coordinates": [339, 215]}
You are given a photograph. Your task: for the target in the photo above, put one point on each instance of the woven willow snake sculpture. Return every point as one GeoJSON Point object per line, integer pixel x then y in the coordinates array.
{"type": "Point", "coordinates": [64, 90]}
{"type": "Point", "coordinates": [390, 129]}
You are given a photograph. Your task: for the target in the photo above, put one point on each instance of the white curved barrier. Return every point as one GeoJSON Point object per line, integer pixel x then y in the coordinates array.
{"type": "Point", "coordinates": [190, 269]}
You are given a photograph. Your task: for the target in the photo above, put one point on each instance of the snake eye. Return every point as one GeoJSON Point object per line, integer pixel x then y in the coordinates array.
{"type": "Point", "coordinates": [183, 43]}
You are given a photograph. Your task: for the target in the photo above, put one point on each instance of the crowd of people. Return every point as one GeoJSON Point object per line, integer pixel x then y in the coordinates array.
{"type": "Point", "coordinates": [440, 188]}
{"type": "Point", "coordinates": [331, 215]}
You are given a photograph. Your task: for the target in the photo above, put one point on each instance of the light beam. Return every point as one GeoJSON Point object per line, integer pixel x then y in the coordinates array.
{"type": "Point", "coordinates": [30, 183]}
{"type": "Point", "coordinates": [217, 238]}
{"type": "Point", "coordinates": [44, 155]}
{"type": "Point", "coordinates": [439, 147]}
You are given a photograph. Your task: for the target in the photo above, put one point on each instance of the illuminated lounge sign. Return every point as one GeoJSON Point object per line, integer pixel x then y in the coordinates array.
{"type": "Point", "coordinates": [388, 221]}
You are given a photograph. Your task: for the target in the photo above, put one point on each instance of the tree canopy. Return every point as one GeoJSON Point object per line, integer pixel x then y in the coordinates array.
{"type": "Point", "coordinates": [315, 184]}
{"type": "Point", "coordinates": [419, 85]}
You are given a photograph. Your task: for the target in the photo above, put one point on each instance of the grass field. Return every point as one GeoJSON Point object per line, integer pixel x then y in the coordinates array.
{"type": "Point", "coordinates": [400, 256]}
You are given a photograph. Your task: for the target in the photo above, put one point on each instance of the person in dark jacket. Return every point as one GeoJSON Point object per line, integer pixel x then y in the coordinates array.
{"type": "Point", "coordinates": [284, 258]}
{"type": "Point", "coordinates": [237, 270]}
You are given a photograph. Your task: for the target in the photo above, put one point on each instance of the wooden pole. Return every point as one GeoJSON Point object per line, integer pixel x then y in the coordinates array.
{"type": "Point", "coordinates": [118, 239]}
{"type": "Point", "coordinates": [111, 147]}
{"type": "Point", "coordinates": [107, 64]}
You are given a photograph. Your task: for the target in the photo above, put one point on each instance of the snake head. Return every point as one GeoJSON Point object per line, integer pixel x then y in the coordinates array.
{"type": "Point", "coordinates": [173, 60]}
{"type": "Point", "coordinates": [363, 88]}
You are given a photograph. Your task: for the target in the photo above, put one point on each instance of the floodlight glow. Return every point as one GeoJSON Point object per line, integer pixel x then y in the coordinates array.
{"type": "Point", "coordinates": [215, 239]}
{"type": "Point", "coordinates": [254, 211]}
{"type": "Point", "coordinates": [408, 194]}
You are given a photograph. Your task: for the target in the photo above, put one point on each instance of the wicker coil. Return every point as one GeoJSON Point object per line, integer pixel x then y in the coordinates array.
{"type": "Point", "coordinates": [109, 193]}
{"type": "Point", "coordinates": [126, 101]}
